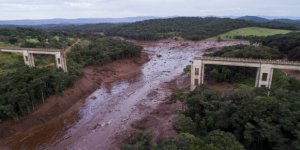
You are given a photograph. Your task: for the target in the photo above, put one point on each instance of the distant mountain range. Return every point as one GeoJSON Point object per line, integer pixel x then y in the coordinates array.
{"type": "Point", "coordinates": [81, 21]}
{"type": "Point", "coordinates": [262, 19]}
{"type": "Point", "coordinates": [75, 21]}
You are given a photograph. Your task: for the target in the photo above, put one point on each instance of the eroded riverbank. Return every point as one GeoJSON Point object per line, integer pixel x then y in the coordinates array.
{"type": "Point", "coordinates": [99, 121]}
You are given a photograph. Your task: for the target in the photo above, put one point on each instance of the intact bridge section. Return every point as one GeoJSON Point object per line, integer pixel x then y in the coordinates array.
{"type": "Point", "coordinates": [264, 68]}
{"type": "Point", "coordinates": [60, 59]}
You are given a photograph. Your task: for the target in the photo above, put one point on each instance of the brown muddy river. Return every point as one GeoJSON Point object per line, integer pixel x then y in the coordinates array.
{"type": "Point", "coordinates": [111, 109]}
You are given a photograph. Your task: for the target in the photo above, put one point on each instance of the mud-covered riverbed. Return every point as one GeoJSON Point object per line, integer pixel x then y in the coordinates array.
{"type": "Point", "coordinates": [100, 120]}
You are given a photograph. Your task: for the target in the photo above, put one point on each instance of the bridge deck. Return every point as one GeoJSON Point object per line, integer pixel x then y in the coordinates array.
{"type": "Point", "coordinates": [250, 61]}
{"type": "Point", "coordinates": [32, 49]}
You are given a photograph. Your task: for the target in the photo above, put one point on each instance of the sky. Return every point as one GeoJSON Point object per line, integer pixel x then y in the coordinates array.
{"type": "Point", "coordinates": [48, 9]}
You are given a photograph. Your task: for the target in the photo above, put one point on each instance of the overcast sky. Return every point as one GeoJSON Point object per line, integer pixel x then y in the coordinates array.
{"type": "Point", "coordinates": [46, 9]}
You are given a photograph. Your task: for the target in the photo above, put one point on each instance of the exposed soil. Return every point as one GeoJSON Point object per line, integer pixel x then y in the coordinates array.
{"type": "Point", "coordinates": [119, 101]}
{"type": "Point", "coordinates": [220, 86]}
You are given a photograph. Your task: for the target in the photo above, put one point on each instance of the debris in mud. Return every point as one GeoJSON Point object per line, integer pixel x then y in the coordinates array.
{"type": "Point", "coordinates": [98, 125]}
{"type": "Point", "coordinates": [94, 97]}
{"type": "Point", "coordinates": [185, 44]}
{"type": "Point", "coordinates": [145, 123]}
{"type": "Point", "coordinates": [158, 55]}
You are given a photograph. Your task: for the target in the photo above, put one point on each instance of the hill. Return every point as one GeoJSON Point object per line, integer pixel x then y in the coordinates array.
{"type": "Point", "coordinates": [287, 20]}
{"type": "Point", "coordinates": [191, 28]}
{"type": "Point", "coordinates": [254, 18]}
{"type": "Point", "coordinates": [250, 31]}
{"type": "Point", "coordinates": [75, 21]}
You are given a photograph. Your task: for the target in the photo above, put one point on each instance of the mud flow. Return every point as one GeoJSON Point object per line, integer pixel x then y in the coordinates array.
{"type": "Point", "coordinates": [110, 110]}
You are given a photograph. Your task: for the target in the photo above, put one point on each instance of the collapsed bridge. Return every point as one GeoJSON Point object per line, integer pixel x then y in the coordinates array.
{"type": "Point", "coordinates": [264, 68]}
{"type": "Point", "coordinates": [60, 59]}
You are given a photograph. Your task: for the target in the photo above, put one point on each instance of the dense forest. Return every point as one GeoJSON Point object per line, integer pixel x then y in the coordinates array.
{"type": "Point", "coordinates": [33, 38]}
{"type": "Point", "coordinates": [22, 89]}
{"type": "Point", "coordinates": [288, 44]}
{"type": "Point", "coordinates": [103, 50]}
{"type": "Point", "coordinates": [235, 121]}
{"type": "Point", "coordinates": [192, 28]}
{"type": "Point", "coordinates": [85, 28]}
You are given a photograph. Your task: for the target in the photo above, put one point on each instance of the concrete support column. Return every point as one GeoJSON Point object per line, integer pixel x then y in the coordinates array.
{"type": "Point", "coordinates": [257, 77]}
{"type": "Point", "coordinates": [28, 58]}
{"type": "Point", "coordinates": [60, 61]}
{"type": "Point", "coordinates": [197, 74]}
{"type": "Point", "coordinates": [264, 76]}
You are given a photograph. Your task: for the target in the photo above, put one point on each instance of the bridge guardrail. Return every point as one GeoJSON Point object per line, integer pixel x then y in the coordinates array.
{"type": "Point", "coordinates": [250, 60]}
{"type": "Point", "coordinates": [33, 49]}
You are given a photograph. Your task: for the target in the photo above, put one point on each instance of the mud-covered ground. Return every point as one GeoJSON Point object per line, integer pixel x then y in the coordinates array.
{"type": "Point", "coordinates": [130, 97]}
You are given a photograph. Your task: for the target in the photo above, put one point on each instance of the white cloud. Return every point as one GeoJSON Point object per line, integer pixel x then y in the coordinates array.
{"type": "Point", "coordinates": [37, 9]}
{"type": "Point", "coordinates": [78, 4]}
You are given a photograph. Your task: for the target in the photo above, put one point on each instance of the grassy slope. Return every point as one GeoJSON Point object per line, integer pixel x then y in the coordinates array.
{"type": "Point", "coordinates": [250, 31]}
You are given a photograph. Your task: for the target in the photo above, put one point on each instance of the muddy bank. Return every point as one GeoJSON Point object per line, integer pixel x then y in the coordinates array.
{"type": "Point", "coordinates": [46, 121]}
{"type": "Point", "coordinates": [159, 122]}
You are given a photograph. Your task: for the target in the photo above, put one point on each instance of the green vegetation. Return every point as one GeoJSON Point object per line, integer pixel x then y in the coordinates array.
{"type": "Point", "coordinates": [255, 120]}
{"type": "Point", "coordinates": [10, 62]}
{"type": "Point", "coordinates": [24, 88]}
{"type": "Point", "coordinates": [215, 140]}
{"type": "Point", "coordinates": [33, 38]}
{"type": "Point", "coordinates": [250, 31]}
{"type": "Point", "coordinates": [191, 28]}
{"type": "Point", "coordinates": [287, 44]}
{"type": "Point", "coordinates": [103, 50]}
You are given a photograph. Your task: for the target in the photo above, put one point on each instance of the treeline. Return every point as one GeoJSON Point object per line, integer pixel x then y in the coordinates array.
{"type": "Point", "coordinates": [34, 38]}
{"type": "Point", "coordinates": [191, 28]}
{"type": "Point", "coordinates": [25, 88]}
{"type": "Point", "coordinates": [100, 27]}
{"type": "Point", "coordinates": [236, 120]}
{"type": "Point", "coordinates": [288, 44]}
{"type": "Point", "coordinates": [256, 120]}
{"type": "Point", "coordinates": [103, 50]}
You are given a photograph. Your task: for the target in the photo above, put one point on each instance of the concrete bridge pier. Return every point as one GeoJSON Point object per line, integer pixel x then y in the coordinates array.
{"type": "Point", "coordinates": [197, 74]}
{"type": "Point", "coordinates": [264, 76]}
{"type": "Point", "coordinates": [28, 59]}
{"type": "Point", "coordinates": [61, 61]}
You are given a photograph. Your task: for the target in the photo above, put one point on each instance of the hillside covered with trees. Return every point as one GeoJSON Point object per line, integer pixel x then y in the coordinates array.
{"type": "Point", "coordinates": [192, 28]}
{"type": "Point", "coordinates": [33, 38]}
{"type": "Point", "coordinates": [288, 44]}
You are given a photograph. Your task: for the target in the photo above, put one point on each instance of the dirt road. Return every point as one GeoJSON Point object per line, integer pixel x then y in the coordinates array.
{"type": "Point", "coordinates": [102, 118]}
